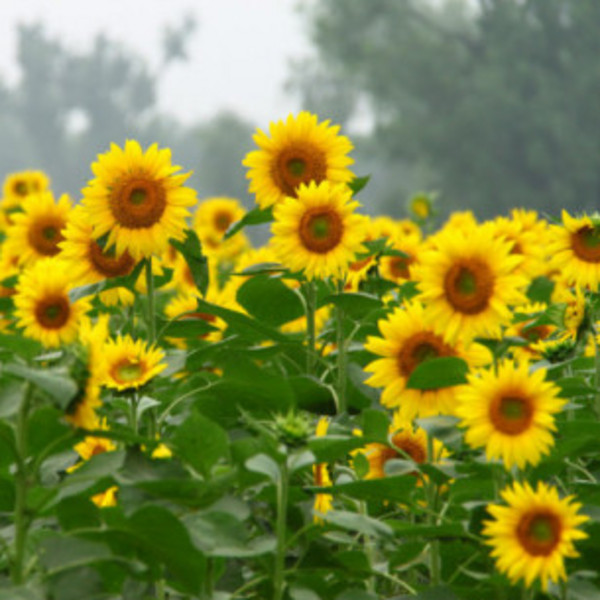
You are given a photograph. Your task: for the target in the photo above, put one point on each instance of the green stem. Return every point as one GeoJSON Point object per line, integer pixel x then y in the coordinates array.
{"type": "Point", "coordinates": [208, 580]}
{"type": "Point", "coordinates": [341, 356]}
{"type": "Point", "coordinates": [282, 499]}
{"type": "Point", "coordinates": [432, 492]}
{"type": "Point", "coordinates": [21, 485]}
{"type": "Point", "coordinates": [133, 420]}
{"type": "Point", "coordinates": [310, 294]}
{"type": "Point", "coordinates": [369, 550]}
{"type": "Point", "coordinates": [597, 374]}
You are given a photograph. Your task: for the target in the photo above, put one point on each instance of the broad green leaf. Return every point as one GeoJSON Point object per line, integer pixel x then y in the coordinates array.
{"type": "Point", "coordinates": [191, 250]}
{"type": "Point", "coordinates": [312, 395]}
{"type": "Point", "coordinates": [10, 397]}
{"type": "Point", "coordinates": [540, 290]}
{"type": "Point", "coordinates": [201, 443]}
{"type": "Point", "coordinates": [54, 382]}
{"type": "Point", "coordinates": [375, 425]}
{"type": "Point", "coordinates": [334, 447]}
{"type": "Point", "coordinates": [393, 489]}
{"type": "Point", "coordinates": [257, 216]}
{"type": "Point", "coordinates": [352, 521]}
{"type": "Point", "coordinates": [437, 373]}
{"type": "Point", "coordinates": [62, 552]}
{"type": "Point", "coordinates": [269, 300]}
{"type": "Point", "coordinates": [265, 465]}
{"type": "Point", "coordinates": [355, 304]}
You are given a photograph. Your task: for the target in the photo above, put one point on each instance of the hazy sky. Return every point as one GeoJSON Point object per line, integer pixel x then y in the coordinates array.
{"type": "Point", "coordinates": [239, 54]}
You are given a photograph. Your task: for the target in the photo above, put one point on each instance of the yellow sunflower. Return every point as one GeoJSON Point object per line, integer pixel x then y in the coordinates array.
{"type": "Point", "coordinates": [90, 263]}
{"type": "Point", "coordinates": [37, 231]}
{"type": "Point", "coordinates": [138, 199]}
{"type": "Point", "coordinates": [17, 186]}
{"type": "Point", "coordinates": [510, 413]}
{"type": "Point", "coordinates": [298, 151]}
{"type": "Point", "coordinates": [420, 206]}
{"type": "Point", "coordinates": [318, 232]}
{"type": "Point", "coordinates": [574, 249]}
{"type": "Point", "coordinates": [469, 282]}
{"type": "Point", "coordinates": [533, 535]}
{"type": "Point", "coordinates": [524, 328]}
{"type": "Point", "coordinates": [405, 442]}
{"type": "Point", "coordinates": [408, 339]}
{"type": "Point", "coordinates": [323, 502]}
{"type": "Point", "coordinates": [129, 364]}
{"type": "Point", "coordinates": [42, 304]}
{"type": "Point", "coordinates": [399, 268]}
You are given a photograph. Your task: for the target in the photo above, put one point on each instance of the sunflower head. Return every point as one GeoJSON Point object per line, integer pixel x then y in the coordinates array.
{"type": "Point", "coordinates": [298, 151]}
{"type": "Point", "coordinates": [421, 206]}
{"type": "Point", "coordinates": [318, 232]}
{"type": "Point", "coordinates": [510, 413]}
{"type": "Point", "coordinates": [42, 303]}
{"type": "Point", "coordinates": [17, 186]}
{"type": "Point", "coordinates": [38, 229]}
{"type": "Point", "coordinates": [534, 533]}
{"type": "Point", "coordinates": [129, 364]}
{"type": "Point", "coordinates": [138, 199]}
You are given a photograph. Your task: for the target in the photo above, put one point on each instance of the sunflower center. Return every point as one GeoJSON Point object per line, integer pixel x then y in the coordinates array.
{"type": "Point", "coordinates": [52, 312]}
{"type": "Point", "coordinates": [359, 264]}
{"type": "Point", "coordinates": [128, 371]}
{"type": "Point", "coordinates": [534, 334]}
{"type": "Point", "coordinates": [469, 285]}
{"type": "Point", "coordinates": [539, 532]}
{"type": "Point", "coordinates": [419, 348]}
{"type": "Point", "coordinates": [320, 229]}
{"type": "Point", "coordinates": [138, 203]}
{"type": "Point", "coordinates": [223, 220]}
{"type": "Point", "coordinates": [585, 243]}
{"type": "Point", "coordinates": [45, 235]}
{"type": "Point", "coordinates": [300, 163]}
{"type": "Point", "coordinates": [107, 264]}
{"type": "Point", "coordinates": [511, 414]}
{"type": "Point", "coordinates": [21, 188]}
{"type": "Point", "coordinates": [400, 267]}
{"type": "Point", "coordinates": [411, 447]}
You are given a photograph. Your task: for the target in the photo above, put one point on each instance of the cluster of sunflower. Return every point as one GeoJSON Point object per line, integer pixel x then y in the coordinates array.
{"type": "Point", "coordinates": [492, 305]}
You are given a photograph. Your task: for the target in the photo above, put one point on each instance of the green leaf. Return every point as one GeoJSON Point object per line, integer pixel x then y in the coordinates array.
{"type": "Point", "coordinates": [11, 396]}
{"type": "Point", "coordinates": [269, 300]}
{"type": "Point", "coordinates": [394, 489]}
{"type": "Point", "coordinates": [375, 425]}
{"type": "Point", "coordinates": [191, 249]}
{"type": "Point", "coordinates": [265, 465]}
{"type": "Point", "coordinates": [61, 552]}
{"type": "Point", "coordinates": [56, 383]}
{"type": "Point", "coordinates": [334, 447]}
{"type": "Point", "coordinates": [352, 521]}
{"type": "Point", "coordinates": [184, 327]}
{"type": "Point", "coordinates": [437, 373]}
{"type": "Point", "coordinates": [358, 184]}
{"type": "Point", "coordinates": [313, 395]}
{"type": "Point", "coordinates": [201, 443]}
{"type": "Point", "coordinates": [257, 216]}
{"type": "Point", "coordinates": [356, 305]}
{"type": "Point", "coordinates": [540, 290]}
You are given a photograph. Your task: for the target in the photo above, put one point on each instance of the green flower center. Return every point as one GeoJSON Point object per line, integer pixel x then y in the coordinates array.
{"type": "Point", "coordinates": [296, 166]}
{"type": "Point", "coordinates": [137, 197]}
{"type": "Point", "coordinates": [129, 371]}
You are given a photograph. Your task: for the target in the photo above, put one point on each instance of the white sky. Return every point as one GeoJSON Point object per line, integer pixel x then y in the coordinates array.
{"type": "Point", "coordinates": [239, 54]}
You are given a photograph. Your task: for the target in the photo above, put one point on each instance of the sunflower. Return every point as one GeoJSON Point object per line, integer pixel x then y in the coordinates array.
{"type": "Point", "coordinates": [420, 206]}
{"type": "Point", "coordinates": [129, 364]}
{"type": "Point", "coordinates": [528, 243]}
{"type": "Point", "coordinates": [405, 442]}
{"type": "Point", "coordinates": [17, 186]}
{"type": "Point", "coordinates": [524, 328]}
{"type": "Point", "coordinates": [138, 199]}
{"type": "Point", "coordinates": [90, 263]}
{"type": "Point", "coordinates": [469, 281]}
{"type": "Point", "coordinates": [37, 231]}
{"type": "Point", "coordinates": [408, 339]}
{"type": "Point", "coordinates": [42, 304]}
{"type": "Point", "coordinates": [574, 249]}
{"type": "Point", "coordinates": [318, 232]}
{"type": "Point", "coordinates": [298, 151]}
{"type": "Point", "coordinates": [533, 535]}
{"type": "Point", "coordinates": [399, 268]}
{"type": "Point", "coordinates": [510, 413]}
{"type": "Point", "coordinates": [323, 502]}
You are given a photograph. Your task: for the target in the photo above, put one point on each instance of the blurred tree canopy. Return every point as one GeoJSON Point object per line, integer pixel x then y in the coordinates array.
{"type": "Point", "coordinates": [493, 102]}
{"type": "Point", "coordinates": [67, 106]}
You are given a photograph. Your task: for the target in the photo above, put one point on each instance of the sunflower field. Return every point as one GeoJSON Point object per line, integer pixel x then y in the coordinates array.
{"type": "Point", "coordinates": [363, 408]}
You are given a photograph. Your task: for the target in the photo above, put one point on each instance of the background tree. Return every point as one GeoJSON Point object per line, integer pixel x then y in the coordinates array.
{"type": "Point", "coordinates": [493, 102]}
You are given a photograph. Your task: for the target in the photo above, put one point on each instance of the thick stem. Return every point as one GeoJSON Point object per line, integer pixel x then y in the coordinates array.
{"type": "Point", "coordinates": [310, 294]}
{"type": "Point", "coordinates": [341, 357]}
{"type": "Point", "coordinates": [369, 551]}
{"type": "Point", "coordinates": [597, 374]}
{"type": "Point", "coordinates": [282, 499]}
{"type": "Point", "coordinates": [133, 420]}
{"type": "Point", "coordinates": [432, 492]}
{"type": "Point", "coordinates": [21, 485]}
